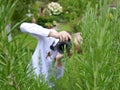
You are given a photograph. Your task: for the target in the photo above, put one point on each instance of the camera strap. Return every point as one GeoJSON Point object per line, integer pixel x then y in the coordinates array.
{"type": "Point", "coordinates": [52, 47]}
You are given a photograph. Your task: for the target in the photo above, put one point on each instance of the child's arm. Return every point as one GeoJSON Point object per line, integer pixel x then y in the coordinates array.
{"type": "Point", "coordinates": [35, 29]}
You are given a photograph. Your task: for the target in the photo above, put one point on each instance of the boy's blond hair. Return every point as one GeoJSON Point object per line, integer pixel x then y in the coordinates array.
{"type": "Point", "coordinates": [77, 40]}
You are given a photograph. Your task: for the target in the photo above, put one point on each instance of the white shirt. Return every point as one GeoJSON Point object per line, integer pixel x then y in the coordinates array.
{"type": "Point", "coordinates": [41, 62]}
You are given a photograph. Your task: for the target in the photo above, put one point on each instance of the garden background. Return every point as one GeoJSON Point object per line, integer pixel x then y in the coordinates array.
{"type": "Point", "coordinates": [96, 68]}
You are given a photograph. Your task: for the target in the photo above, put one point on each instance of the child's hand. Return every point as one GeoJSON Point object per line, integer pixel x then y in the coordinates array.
{"type": "Point", "coordinates": [63, 35]}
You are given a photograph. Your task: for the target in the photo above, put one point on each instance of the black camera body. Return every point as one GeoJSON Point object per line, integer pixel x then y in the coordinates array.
{"type": "Point", "coordinates": [62, 47]}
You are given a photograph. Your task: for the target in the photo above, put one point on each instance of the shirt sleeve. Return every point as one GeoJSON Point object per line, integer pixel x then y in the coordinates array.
{"type": "Point", "coordinates": [35, 29]}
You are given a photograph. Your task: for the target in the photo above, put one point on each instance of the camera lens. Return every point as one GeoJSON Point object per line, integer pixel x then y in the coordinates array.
{"type": "Point", "coordinates": [63, 46]}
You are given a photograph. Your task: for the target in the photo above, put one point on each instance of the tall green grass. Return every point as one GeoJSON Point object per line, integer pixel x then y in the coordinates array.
{"type": "Point", "coordinates": [96, 68]}
{"type": "Point", "coordinates": [14, 55]}
{"type": "Point", "coordinates": [101, 49]}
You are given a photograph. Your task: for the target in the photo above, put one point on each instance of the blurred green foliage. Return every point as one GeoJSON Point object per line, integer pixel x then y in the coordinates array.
{"type": "Point", "coordinates": [46, 21]}
{"type": "Point", "coordinates": [96, 68]}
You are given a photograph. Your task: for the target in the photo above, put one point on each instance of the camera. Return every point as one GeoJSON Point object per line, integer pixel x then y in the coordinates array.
{"type": "Point", "coordinates": [62, 47]}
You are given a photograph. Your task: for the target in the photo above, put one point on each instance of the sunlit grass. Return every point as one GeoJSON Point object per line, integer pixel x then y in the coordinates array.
{"type": "Point", "coordinates": [96, 68]}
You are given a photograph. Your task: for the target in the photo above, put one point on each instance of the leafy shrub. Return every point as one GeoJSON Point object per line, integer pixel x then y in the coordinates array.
{"type": "Point", "coordinates": [46, 21]}
{"type": "Point", "coordinates": [97, 68]}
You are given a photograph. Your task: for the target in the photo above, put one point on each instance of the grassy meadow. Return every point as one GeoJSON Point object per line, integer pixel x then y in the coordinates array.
{"type": "Point", "coordinates": [96, 68]}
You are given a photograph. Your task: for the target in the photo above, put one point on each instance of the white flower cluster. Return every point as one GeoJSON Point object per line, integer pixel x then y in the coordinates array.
{"type": "Point", "coordinates": [55, 8]}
